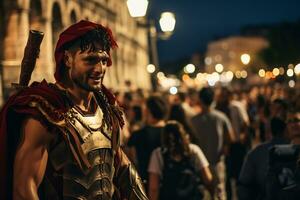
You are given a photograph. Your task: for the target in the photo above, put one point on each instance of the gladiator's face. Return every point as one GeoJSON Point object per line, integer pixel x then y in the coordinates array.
{"type": "Point", "coordinates": [87, 68]}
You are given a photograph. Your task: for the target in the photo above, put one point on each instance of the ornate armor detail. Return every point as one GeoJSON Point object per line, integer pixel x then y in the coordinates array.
{"type": "Point", "coordinates": [90, 131]}
{"type": "Point", "coordinates": [97, 182]}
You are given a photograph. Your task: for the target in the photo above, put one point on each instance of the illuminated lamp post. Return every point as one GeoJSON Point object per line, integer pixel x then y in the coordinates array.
{"type": "Point", "coordinates": [167, 21]}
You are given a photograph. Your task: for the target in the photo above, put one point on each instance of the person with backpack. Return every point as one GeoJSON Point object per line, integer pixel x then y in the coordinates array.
{"type": "Point", "coordinates": [283, 176]}
{"type": "Point", "coordinates": [253, 176]}
{"type": "Point", "coordinates": [178, 168]}
{"type": "Point", "coordinates": [142, 142]}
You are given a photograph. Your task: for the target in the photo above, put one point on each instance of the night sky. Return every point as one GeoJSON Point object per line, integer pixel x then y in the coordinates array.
{"type": "Point", "coordinates": [200, 21]}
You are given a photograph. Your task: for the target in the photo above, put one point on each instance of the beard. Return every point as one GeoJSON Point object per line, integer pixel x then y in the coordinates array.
{"type": "Point", "coordinates": [85, 82]}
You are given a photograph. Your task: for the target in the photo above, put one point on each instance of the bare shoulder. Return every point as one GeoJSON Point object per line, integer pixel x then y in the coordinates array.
{"type": "Point", "coordinates": [34, 132]}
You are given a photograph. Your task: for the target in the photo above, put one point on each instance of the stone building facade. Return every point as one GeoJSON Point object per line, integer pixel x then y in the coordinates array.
{"type": "Point", "coordinates": [51, 17]}
{"type": "Point", "coordinates": [228, 51]}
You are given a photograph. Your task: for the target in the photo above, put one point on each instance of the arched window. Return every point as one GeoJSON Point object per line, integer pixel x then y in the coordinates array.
{"type": "Point", "coordinates": [73, 17]}
{"type": "Point", "coordinates": [35, 14]}
{"type": "Point", "coordinates": [56, 23]}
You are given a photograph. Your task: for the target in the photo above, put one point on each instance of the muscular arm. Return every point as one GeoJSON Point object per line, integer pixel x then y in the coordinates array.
{"type": "Point", "coordinates": [30, 160]}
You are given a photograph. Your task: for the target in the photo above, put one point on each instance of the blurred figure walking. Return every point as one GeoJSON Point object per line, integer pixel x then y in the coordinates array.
{"type": "Point", "coordinates": [176, 166]}
{"type": "Point", "coordinates": [213, 133]}
{"type": "Point", "coordinates": [237, 114]}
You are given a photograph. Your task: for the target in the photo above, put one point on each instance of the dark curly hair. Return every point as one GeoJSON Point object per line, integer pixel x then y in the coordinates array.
{"type": "Point", "coordinates": [175, 139]}
{"type": "Point", "coordinates": [87, 41]}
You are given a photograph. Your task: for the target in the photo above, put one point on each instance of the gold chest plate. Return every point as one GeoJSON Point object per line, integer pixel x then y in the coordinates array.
{"type": "Point", "coordinates": [89, 130]}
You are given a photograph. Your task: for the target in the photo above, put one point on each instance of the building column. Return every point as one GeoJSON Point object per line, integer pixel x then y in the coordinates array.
{"type": "Point", "coordinates": [13, 46]}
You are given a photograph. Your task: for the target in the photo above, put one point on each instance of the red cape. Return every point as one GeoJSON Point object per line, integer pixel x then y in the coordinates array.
{"type": "Point", "coordinates": [13, 111]}
{"type": "Point", "coordinates": [11, 116]}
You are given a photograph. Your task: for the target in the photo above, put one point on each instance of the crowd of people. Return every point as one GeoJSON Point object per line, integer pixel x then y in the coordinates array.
{"type": "Point", "coordinates": [224, 135]}
{"type": "Point", "coordinates": [71, 140]}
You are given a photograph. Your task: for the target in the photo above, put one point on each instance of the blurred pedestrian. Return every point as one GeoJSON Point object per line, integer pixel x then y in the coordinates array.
{"type": "Point", "coordinates": [142, 142]}
{"type": "Point", "coordinates": [213, 133]}
{"type": "Point", "coordinates": [169, 162]}
{"type": "Point", "coordinates": [238, 116]}
{"type": "Point", "coordinates": [177, 113]}
{"type": "Point", "coordinates": [252, 179]}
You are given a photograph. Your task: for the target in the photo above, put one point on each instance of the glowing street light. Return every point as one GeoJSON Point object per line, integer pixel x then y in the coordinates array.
{"type": "Point", "coordinates": [137, 8]}
{"type": "Point", "coordinates": [219, 68]}
{"type": "Point", "coordinates": [245, 58]}
{"type": "Point", "coordinates": [276, 72]}
{"type": "Point", "coordinates": [173, 90]}
{"type": "Point", "coordinates": [189, 68]}
{"type": "Point", "coordinates": [151, 68]}
{"type": "Point", "coordinates": [229, 76]}
{"type": "Point", "coordinates": [262, 73]}
{"type": "Point", "coordinates": [167, 22]}
{"type": "Point", "coordinates": [290, 72]}
{"type": "Point", "coordinates": [297, 69]}
{"type": "Point", "coordinates": [238, 74]}
{"type": "Point", "coordinates": [292, 83]}
{"type": "Point", "coordinates": [208, 60]}
{"type": "Point", "coordinates": [160, 75]}
{"type": "Point", "coordinates": [244, 74]}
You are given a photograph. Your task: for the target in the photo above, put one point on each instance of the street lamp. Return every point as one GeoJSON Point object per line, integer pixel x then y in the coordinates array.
{"type": "Point", "coordinates": [245, 58]}
{"type": "Point", "coordinates": [138, 9]}
{"type": "Point", "coordinates": [167, 23]}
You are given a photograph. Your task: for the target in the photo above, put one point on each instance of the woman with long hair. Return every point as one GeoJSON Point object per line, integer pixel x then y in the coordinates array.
{"type": "Point", "coordinates": [169, 162]}
{"type": "Point", "coordinates": [177, 113]}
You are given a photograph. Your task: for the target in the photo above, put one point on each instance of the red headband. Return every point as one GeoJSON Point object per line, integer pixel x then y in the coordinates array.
{"type": "Point", "coordinates": [72, 33]}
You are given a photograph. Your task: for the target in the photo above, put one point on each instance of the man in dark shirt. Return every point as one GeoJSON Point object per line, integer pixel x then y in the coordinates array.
{"type": "Point", "coordinates": [145, 140]}
{"type": "Point", "coordinates": [252, 178]}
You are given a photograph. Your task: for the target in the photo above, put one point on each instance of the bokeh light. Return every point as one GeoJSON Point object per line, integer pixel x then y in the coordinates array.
{"type": "Point", "coordinates": [219, 67]}
{"type": "Point", "coordinates": [290, 72]}
{"type": "Point", "coordinates": [276, 72]}
{"type": "Point", "coordinates": [173, 90]}
{"type": "Point", "coordinates": [151, 68]}
{"type": "Point", "coordinates": [262, 73]}
{"type": "Point", "coordinates": [292, 83]}
{"type": "Point", "coordinates": [245, 58]}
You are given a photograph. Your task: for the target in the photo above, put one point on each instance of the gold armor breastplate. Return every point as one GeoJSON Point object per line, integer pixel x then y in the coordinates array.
{"type": "Point", "coordinates": [96, 144]}
{"type": "Point", "coordinates": [89, 130]}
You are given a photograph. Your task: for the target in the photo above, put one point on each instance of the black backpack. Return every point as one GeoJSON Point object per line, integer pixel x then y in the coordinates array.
{"type": "Point", "coordinates": [283, 176]}
{"type": "Point", "coordinates": [179, 180]}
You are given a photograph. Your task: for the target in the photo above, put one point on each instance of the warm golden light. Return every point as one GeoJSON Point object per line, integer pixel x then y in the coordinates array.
{"type": "Point", "coordinates": [297, 69]}
{"type": "Point", "coordinates": [269, 75]}
{"type": "Point", "coordinates": [245, 58]}
{"type": "Point", "coordinates": [276, 72]}
{"type": "Point", "coordinates": [189, 68]}
{"type": "Point", "coordinates": [262, 73]}
{"type": "Point", "coordinates": [167, 22]}
{"type": "Point", "coordinates": [185, 77]}
{"type": "Point", "coordinates": [160, 75]}
{"type": "Point", "coordinates": [292, 83]}
{"type": "Point", "coordinates": [244, 74]}
{"type": "Point", "coordinates": [208, 60]}
{"type": "Point", "coordinates": [229, 76]}
{"type": "Point", "coordinates": [238, 74]}
{"type": "Point", "coordinates": [290, 72]}
{"type": "Point", "coordinates": [137, 8]}
{"type": "Point", "coordinates": [219, 68]}
{"type": "Point", "coordinates": [151, 68]}
{"type": "Point", "coordinates": [281, 70]}
{"type": "Point", "coordinates": [173, 90]}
